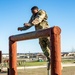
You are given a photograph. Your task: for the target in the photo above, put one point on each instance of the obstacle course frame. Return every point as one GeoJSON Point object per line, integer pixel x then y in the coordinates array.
{"type": "Point", "coordinates": [53, 33]}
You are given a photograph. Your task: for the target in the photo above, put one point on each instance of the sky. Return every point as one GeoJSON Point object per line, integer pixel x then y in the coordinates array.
{"type": "Point", "coordinates": [13, 13]}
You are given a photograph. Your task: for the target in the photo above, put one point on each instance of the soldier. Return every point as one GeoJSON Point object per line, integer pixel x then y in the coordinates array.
{"type": "Point", "coordinates": [39, 20]}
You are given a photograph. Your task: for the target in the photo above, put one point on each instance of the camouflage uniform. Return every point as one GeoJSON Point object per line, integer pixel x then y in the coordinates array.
{"type": "Point", "coordinates": [39, 21]}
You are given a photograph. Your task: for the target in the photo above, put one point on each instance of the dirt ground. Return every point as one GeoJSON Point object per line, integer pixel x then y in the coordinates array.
{"type": "Point", "coordinates": [43, 71]}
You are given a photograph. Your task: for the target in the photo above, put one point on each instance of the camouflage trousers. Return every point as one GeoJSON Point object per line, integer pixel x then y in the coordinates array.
{"type": "Point", "coordinates": [45, 46]}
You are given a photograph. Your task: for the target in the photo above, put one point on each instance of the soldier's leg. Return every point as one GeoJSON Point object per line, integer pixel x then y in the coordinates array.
{"type": "Point", "coordinates": [49, 46]}
{"type": "Point", "coordinates": [48, 43]}
{"type": "Point", "coordinates": [44, 43]}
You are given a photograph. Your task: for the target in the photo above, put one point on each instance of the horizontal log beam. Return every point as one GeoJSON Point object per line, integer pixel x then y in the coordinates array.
{"type": "Point", "coordinates": [35, 34]}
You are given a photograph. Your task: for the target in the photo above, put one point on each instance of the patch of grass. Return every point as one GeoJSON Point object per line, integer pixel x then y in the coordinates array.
{"type": "Point", "coordinates": [35, 63]}
{"type": "Point", "coordinates": [32, 63]}
{"type": "Point", "coordinates": [68, 60]}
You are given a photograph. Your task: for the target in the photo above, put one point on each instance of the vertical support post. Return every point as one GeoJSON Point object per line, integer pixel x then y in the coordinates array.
{"type": "Point", "coordinates": [1, 60]}
{"type": "Point", "coordinates": [0, 56]}
{"type": "Point", "coordinates": [7, 71]}
{"type": "Point", "coordinates": [12, 57]}
{"type": "Point", "coordinates": [55, 51]}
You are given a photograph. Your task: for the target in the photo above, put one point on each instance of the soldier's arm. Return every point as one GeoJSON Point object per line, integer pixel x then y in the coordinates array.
{"type": "Point", "coordinates": [23, 28]}
{"type": "Point", "coordinates": [26, 26]}
{"type": "Point", "coordinates": [39, 17]}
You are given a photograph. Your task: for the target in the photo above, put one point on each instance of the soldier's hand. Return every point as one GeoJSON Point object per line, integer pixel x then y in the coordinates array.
{"type": "Point", "coordinates": [27, 24]}
{"type": "Point", "coordinates": [19, 29]}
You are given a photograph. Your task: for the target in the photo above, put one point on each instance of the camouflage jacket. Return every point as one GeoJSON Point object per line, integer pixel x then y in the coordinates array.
{"type": "Point", "coordinates": [39, 20]}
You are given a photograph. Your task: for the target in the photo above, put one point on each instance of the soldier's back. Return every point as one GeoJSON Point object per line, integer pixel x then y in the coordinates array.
{"type": "Point", "coordinates": [43, 24]}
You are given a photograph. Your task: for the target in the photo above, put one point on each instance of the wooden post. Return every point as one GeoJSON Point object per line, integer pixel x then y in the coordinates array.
{"type": "Point", "coordinates": [12, 57]}
{"type": "Point", "coordinates": [55, 51]}
{"type": "Point", "coordinates": [0, 56]}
